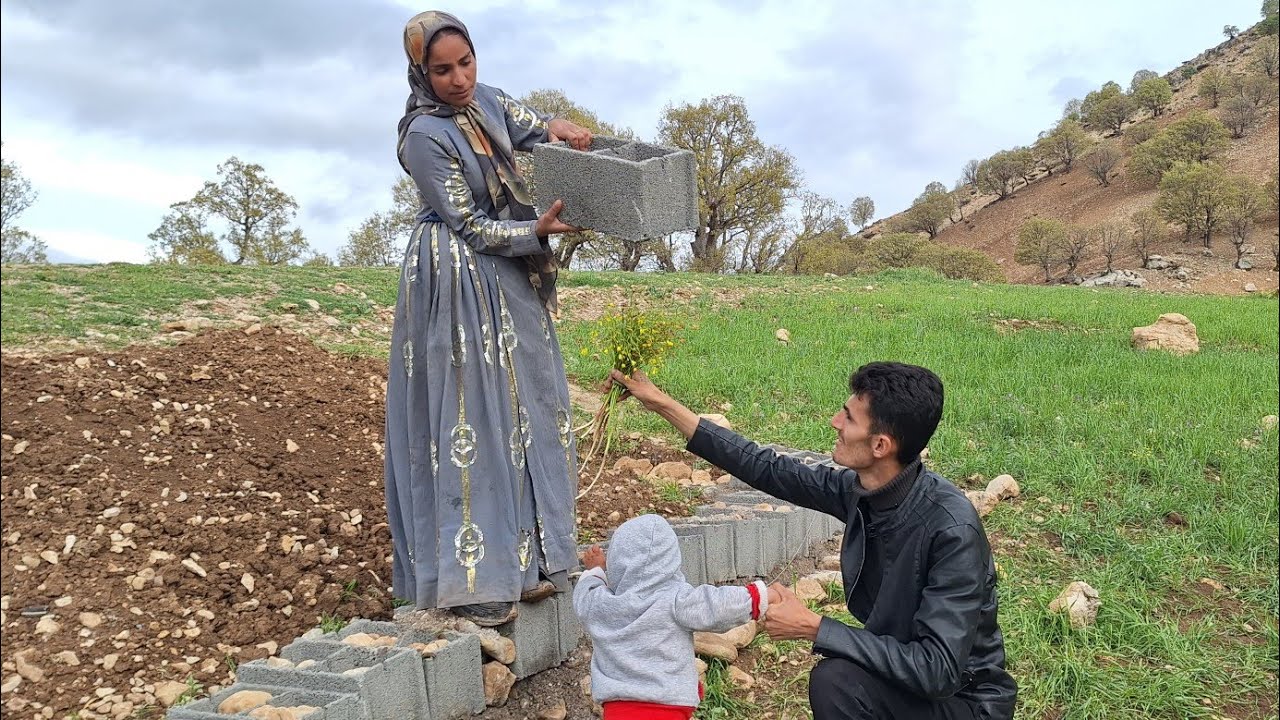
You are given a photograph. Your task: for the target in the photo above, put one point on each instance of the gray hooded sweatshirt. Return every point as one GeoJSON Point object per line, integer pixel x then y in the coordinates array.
{"type": "Point", "coordinates": [641, 616]}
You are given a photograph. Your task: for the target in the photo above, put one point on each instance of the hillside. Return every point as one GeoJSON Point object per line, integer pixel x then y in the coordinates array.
{"type": "Point", "coordinates": [1076, 198]}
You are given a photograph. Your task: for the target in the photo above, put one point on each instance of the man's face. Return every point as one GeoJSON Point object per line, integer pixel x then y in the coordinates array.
{"type": "Point", "coordinates": [855, 444]}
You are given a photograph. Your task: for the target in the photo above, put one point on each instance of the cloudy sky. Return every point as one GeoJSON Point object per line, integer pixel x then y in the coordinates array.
{"type": "Point", "coordinates": [114, 110]}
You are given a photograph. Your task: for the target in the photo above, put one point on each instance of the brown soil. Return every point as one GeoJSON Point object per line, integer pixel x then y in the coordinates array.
{"type": "Point", "coordinates": [218, 451]}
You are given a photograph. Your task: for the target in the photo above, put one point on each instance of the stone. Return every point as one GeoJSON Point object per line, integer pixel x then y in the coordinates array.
{"type": "Point", "coordinates": [367, 640]}
{"type": "Point", "coordinates": [714, 646]}
{"type": "Point", "coordinates": [247, 581]}
{"type": "Point", "coordinates": [1080, 602]}
{"type": "Point", "coordinates": [1181, 274]}
{"type": "Point", "coordinates": [782, 335]}
{"type": "Point", "coordinates": [808, 589]}
{"type": "Point", "coordinates": [556, 712]}
{"type": "Point", "coordinates": [500, 648]}
{"type": "Point", "coordinates": [1157, 262]}
{"type": "Point", "coordinates": [312, 304]}
{"type": "Point", "coordinates": [47, 626]}
{"type": "Point", "coordinates": [742, 635]}
{"type": "Point", "coordinates": [290, 446]}
{"type": "Point", "coordinates": [740, 678]}
{"type": "Point", "coordinates": [168, 692]}
{"type": "Point", "coordinates": [90, 620]}
{"type": "Point", "coordinates": [1244, 264]}
{"type": "Point", "coordinates": [672, 471]}
{"type": "Point", "coordinates": [1116, 278]}
{"type": "Point", "coordinates": [829, 562]}
{"type": "Point", "coordinates": [637, 466]}
{"type": "Point", "coordinates": [1250, 288]}
{"type": "Point", "coordinates": [701, 478]}
{"type": "Point", "coordinates": [109, 661]}
{"type": "Point", "coordinates": [1172, 332]}
{"type": "Point", "coordinates": [498, 681]}
{"type": "Point", "coordinates": [717, 419]}
{"type": "Point", "coordinates": [11, 683]}
{"type": "Point", "coordinates": [1003, 487]}
{"type": "Point", "coordinates": [243, 701]}
{"type": "Point", "coordinates": [26, 668]}
{"type": "Point", "coordinates": [1269, 423]}
{"type": "Point", "coordinates": [68, 658]}
{"type": "Point", "coordinates": [983, 501]}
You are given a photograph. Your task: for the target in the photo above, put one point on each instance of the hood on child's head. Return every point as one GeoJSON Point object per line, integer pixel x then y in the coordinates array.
{"type": "Point", "coordinates": [643, 553]}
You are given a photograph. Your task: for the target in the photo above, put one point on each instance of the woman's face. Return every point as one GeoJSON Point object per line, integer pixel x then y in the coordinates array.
{"type": "Point", "coordinates": [451, 68]}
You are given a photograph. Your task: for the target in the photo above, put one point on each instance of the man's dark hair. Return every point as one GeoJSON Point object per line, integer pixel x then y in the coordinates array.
{"type": "Point", "coordinates": [905, 403]}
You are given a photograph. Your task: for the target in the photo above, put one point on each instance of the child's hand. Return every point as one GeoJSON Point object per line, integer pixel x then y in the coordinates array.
{"type": "Point", "coordinates": [775, 596]}
{"type": "Point", "coordinates": [593, 558]}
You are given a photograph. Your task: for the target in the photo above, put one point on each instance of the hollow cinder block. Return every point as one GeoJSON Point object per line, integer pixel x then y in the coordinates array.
{"type": "Point", "coordinates": [389, 681]}
{"type": "Point", "coordinates": [717, 548]}
{"type": "Point", "coordinates": [455, 678]}
{"type": "Point", "coordinates": [536, 634]}
{"type": "Point", "coordinates": [329, 705]}
{"type": "Point", "coordinates": [693, 559]}
{"type": "Point", "coordinates": [570, 626]}
{"type": "Point", "coordinates": [630, 190]}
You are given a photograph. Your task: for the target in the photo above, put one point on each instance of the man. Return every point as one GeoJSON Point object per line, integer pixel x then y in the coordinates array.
{"type": "Point", "coordinates": [917, 568]}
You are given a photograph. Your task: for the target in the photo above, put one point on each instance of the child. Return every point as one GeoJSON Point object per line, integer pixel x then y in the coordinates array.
{"type": "Point", "coordinates": [641, 619]}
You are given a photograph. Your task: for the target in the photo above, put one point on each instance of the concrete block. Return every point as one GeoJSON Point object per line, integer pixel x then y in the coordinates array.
{"type": "Point", "coordinates": [331, 705]}
{"type": "Point", "coordinates": [797, 537]}
{"type": "Point", "coordinates": [455, 678]}
{"type": "Point", "coordinates": [773, 540]}
{"type": "Point", "coordinates": [693, 559]}
{"type": "Point", "coordinates": [536, 633]}
{"type": "Point", "coordinates": [570, 626]}
{"type": "Point", "coordinates": [717, 548]}
{"type": "Point", "coordinates": [631, 190]}
{"type": "Point", "coordinates": [388, 681]}
{"type": "Point", "coordinates": [748, 549]}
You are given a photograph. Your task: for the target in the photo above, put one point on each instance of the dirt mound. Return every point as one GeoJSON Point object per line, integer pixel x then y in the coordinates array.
{"type": "Point", "coordinates": [175, 510]}
{"type": "Point", "coordinates": [184, 475]}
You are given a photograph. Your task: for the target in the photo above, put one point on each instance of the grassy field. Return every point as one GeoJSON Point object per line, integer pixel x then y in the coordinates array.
{"type": "Point", "coordinates": [1105, 441]}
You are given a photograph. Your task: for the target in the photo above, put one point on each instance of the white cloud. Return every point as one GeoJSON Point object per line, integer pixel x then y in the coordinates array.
{"type": "Point", "coordinates": [92, 246]}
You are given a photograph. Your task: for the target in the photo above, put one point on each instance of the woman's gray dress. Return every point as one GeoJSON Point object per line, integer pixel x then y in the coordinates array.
{"type": "Point", "coordinates": [481, 468]}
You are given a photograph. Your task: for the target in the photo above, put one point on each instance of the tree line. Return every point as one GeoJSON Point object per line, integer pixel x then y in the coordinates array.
{"type": "Point", "coordinates": [745, 185]}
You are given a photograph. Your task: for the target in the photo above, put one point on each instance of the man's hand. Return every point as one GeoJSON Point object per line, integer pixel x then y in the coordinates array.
{"type": "Point", "coordinates": [790, 619]}
{"type": "Point", "coordinates": [578, 137]}
{"type": "Point", "coordinates": [641, 388]}
{"type": "Point", "coordinates": [654, 400]}
{"type": "Point", "coordinates": [593, 558]}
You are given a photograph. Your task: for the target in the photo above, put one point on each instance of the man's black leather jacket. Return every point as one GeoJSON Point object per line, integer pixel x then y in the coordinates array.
{"type": "Point", "coordinates": [931, 626]}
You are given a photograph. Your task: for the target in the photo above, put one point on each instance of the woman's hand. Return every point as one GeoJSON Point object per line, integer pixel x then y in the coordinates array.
{"type": "Point", "coordinates": [578, 137]}
{"type": "Point", "coordinates": [550, 223]}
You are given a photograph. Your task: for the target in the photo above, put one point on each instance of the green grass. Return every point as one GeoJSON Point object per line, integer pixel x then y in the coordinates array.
{"type": "Point", "coordinates": [1104, 441]}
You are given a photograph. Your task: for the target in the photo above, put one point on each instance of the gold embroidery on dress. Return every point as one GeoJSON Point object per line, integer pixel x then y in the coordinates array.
{"type": "Point", "coordinates": [486, 331]}
{"type": "Point", "coordinates": [459, 194]}
{"type": "Point", "coordinates": [525, 552]}
{"type": "Point", "coordinates": [521, 115]}
{"type": "Point", "coordinates": [468, 542]}
{"type": "Point", "coordinates": [407, 349]}
{"type": "Point", "coordinates": [520, 435]}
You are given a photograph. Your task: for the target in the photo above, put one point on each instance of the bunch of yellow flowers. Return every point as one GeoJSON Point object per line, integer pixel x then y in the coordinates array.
{"type": "Point", "coordinates": [632, 340]}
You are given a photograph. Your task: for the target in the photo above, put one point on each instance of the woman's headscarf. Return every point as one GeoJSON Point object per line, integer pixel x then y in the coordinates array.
{"type": "Point", "coordinates": [490, 142]}
{"type": "Point", "coordinates": [487, 140]}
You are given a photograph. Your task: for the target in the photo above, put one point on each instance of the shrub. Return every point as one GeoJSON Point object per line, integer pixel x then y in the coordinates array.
{"type": "Point", "coordinates": [958, 263]}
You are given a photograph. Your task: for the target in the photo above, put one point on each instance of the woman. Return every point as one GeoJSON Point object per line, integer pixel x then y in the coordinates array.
{"type": "Point", "coordinates": [481, 468]}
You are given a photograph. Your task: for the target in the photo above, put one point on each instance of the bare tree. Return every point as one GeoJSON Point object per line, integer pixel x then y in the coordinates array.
{"type": "Point", "coordinates": [1078, 244]}
{"type": "Point", "coordinates": [1111, 237]}
{"type": "Point", "coordinates": [1148, 229]}
{"type": "Point", "coordinates": [1101, 160]}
